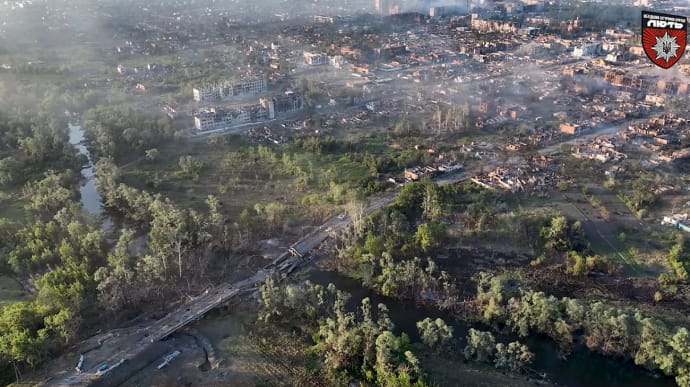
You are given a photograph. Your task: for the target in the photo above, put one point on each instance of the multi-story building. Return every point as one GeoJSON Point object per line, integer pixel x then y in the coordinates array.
{"type": "Point", "coordinates": [324, 19]}
{"type": "Point", "coordinates": [315, 58]}
{"type": "Point", "coordinates": [218, 118]}
{"type": "Point", "coordinates": [488, 25]}
{"type": "Point", "coordinates": [587, 50]}
{"type": "Point", "coordinates": [381, 6]}
{"type": "Point", "coordinates": [436, 12]}
{"type": "Point", "coordinates": [215, 118]}
{"type": "Point", "coordinates": [228, 89]}
{"type": "Point", "coordinates": [287, 103]}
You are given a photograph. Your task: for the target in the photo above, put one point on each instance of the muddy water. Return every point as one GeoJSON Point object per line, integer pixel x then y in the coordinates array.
{"type": "Point", "coordinates": [89, 197]}
{"type": "Point", "coordinates": [581, 369]}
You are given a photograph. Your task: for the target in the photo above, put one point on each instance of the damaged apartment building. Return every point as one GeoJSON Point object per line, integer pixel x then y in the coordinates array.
{"type": "Point", "coordinates": [216, 118]}
{"type": "Point", "coordinates": [228, 89]}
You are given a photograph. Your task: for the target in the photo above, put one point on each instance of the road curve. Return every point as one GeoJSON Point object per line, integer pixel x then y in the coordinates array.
{"type": "Point", "coordinates": [202, 304]}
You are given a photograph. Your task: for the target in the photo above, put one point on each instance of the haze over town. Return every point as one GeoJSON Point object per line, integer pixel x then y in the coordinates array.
{"type": "Point", "coordinates": [353, 192]}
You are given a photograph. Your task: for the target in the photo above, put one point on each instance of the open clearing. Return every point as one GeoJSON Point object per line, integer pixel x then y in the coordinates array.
{"type": "Point", "coordinates": [10, 291]}
{"type": "Point", "coordinates": [634, 251]}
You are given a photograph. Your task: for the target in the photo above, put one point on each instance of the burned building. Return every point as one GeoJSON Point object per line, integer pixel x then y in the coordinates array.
{"type": "Point", "coordinates": [389, 52]}
{"type": "Point", "coordinates": [220, 118]}
{"type": "Point", "coordinates": [229, 89]}
{"type": "Point", "coordinates": [490, 25]}
{"type": "Point", "coordinates": [216, 118]}
{"type": "Point", "coordinates": [287, 103]}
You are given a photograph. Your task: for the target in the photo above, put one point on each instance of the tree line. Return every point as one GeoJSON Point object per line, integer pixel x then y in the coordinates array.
{"type": "Point", "coordinates": [115, 133]}
{"type": "Point", "coordinates": [60, 249]}
{"type": "Point", "coordinates": [604, 328]}
{"type": "Point", "coordinates": [32, 142]}
{"type": "Point", "coordinates": [358, 341]}
{"type": "Point", "coordinates": [367, 252]}
{"type": "Point", "coordinates": [349, 344]}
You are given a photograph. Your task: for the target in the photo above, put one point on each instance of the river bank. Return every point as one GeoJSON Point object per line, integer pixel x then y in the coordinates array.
{"type": "Point", "coordinates": [601, 371]}
{"type": "Point", "coordinates": [89, 197]}
{"type": "Point", "coordinates": [255, 356]}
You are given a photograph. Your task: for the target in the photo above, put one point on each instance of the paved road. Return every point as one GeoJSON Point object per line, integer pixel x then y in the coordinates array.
{"type": "Point", "coordinates": [600, 131]}
{"type": "Point", "coordinates": [193, 309]}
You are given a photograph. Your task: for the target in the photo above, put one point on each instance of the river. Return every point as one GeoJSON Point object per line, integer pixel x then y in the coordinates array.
{"type": "Point", "coordinates": [582, 368]}
{"type": "Point", "coordinates": [89, 197]}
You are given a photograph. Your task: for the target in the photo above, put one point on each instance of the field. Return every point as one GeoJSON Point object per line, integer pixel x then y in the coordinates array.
{"type": "Point", "coordinates": [234, 187]}
{"type": "Point", "coordinates": [11, 208]}
{"type": "Point", "coordinates": [10, 291]}
{"type": "Point", "coordinates": [621, 238]}
{"type": "Point", "coordinates": [240, 178]}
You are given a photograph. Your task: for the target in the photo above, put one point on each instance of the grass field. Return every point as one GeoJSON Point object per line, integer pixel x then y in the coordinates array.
{"type": "Point", "coordinates": [12, 209]}
{"type": "Point", "coordinates": [234, 188]}
{"type": "Point", "coordinates": [240, 180]}
{"type": "Point", "coordinates": [635, 252]}
{"type": "Point", "coordinates": [10, 291]}
{"type": "Point", "coordinates": [11, 204]}
{"type": "Point", "coordinates": [143, 61]}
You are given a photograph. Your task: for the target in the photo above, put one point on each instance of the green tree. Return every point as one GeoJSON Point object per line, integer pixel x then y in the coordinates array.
{"type": "Point", "coordinates": [23, 336]}
{"type": "Point", "coordinates": [577, 264]}
{"type": "Point", "coordinates": [395, 365]}
{"type": "Point", "coordinates": [53, 192]}
{"type": "Point", "coordinates": [429, 235]}
{"type": "Point", "coordinates": [152, 154]}
{"type": "Point", "coordinates": [514, 356]}
{"type": "Point", "coordinates": [190, 167]}
{"type": "Point", "coordinates": [174, 233]}
{"type": "Point", "coordinates": [410, 198]}
{"type": "Point", "coordinates": [679, 259]}
{"type": "Point", "coordinates": [560, 235]}
{"type": "Point", "coordinates": [402, 126]}
{"type": "Point", "coordinates": [431, 205]}
{"type": "Point", "coordinates": [480, 346]}
{"type": "Point", "coordinates": [434, 333]}
{"type": "Point", "coordinates": [116, 282]}
{"type": "Point", "coordinates": [117, 133]}
{"type": "Point", "coordinates": [374, 244]}
{"type": "Point", "coordinates": [9, 167]}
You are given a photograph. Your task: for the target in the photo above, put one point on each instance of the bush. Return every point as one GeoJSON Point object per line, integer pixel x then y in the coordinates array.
{"type": "Point", "coordinates": [563, 185]}
{"type": "Point", "coordinates": [480, 346]}
{"type": "Point", "coordinates": [514, 356]}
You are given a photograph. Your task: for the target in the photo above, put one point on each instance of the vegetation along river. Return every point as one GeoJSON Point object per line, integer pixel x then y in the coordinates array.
{"type": "Point", "coordinates": [581, 368]}
{"type": "Point", "coordinates": [89, 197]}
